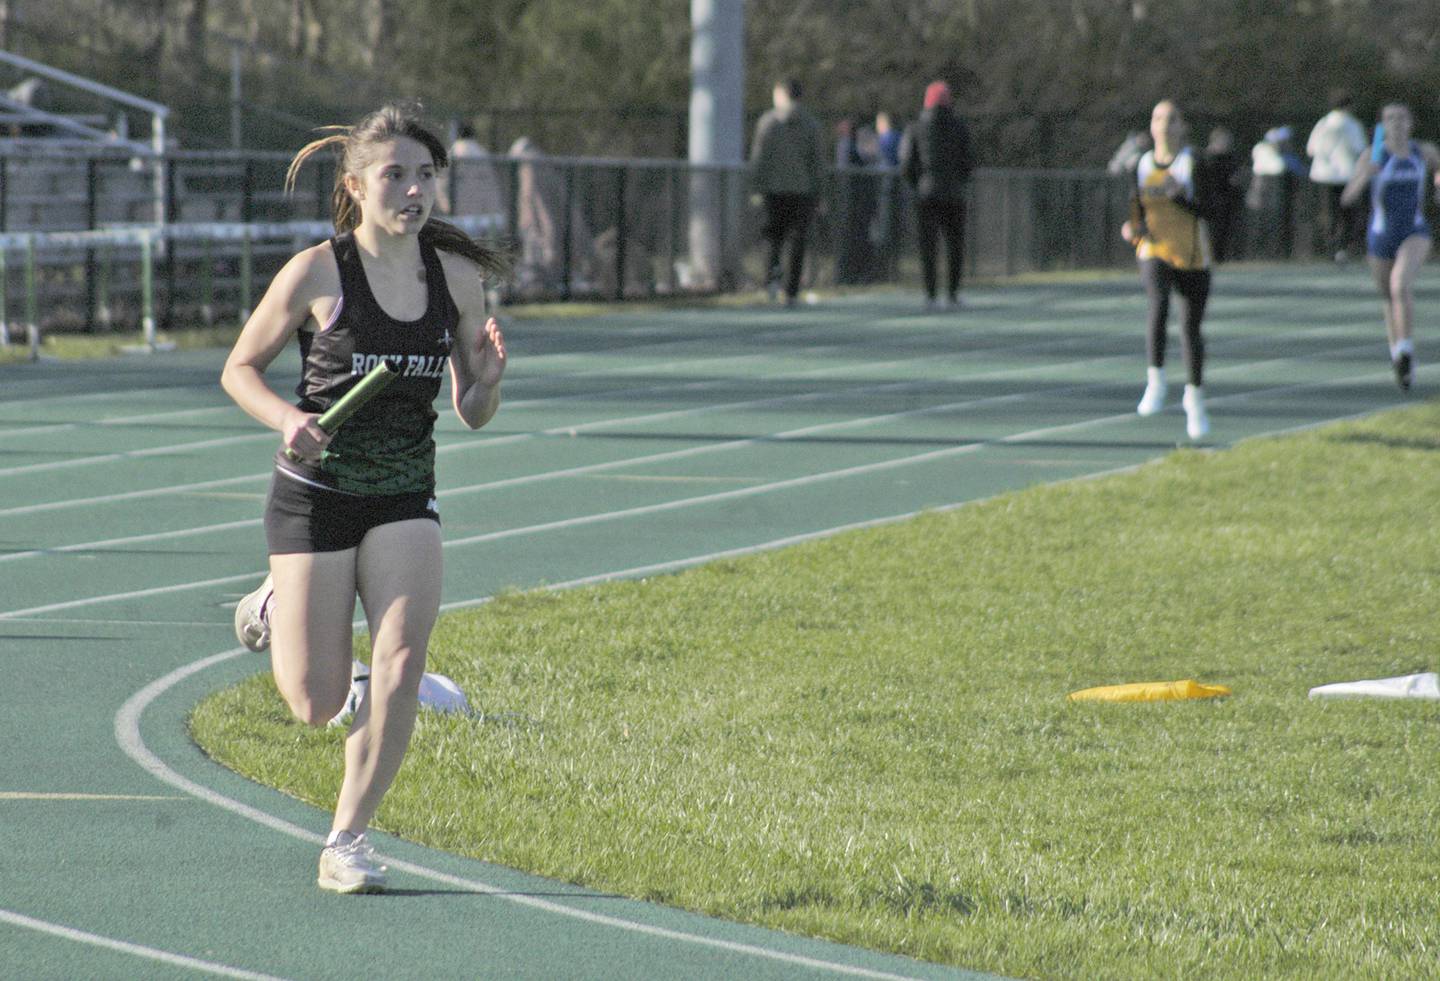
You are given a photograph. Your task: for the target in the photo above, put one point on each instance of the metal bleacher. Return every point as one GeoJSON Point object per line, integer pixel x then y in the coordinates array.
{"type": "Point", "coordinates": [67, 159]}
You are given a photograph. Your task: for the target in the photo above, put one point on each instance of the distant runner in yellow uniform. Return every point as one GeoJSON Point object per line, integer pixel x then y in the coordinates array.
{"type": "Point", "coordinates": [1172, 243]}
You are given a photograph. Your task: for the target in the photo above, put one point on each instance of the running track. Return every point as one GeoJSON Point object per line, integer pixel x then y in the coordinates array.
{"type": "Point", "coordinates": [629, 444]}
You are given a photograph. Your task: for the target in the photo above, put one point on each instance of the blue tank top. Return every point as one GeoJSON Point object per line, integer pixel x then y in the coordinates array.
{"type": "Point", "coordinates": [388, 447]}
{"type": "Point", "coordinates": [1397, 194]}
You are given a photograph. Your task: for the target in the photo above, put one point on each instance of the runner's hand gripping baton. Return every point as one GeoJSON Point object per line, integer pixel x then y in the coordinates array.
{"type": "Point", "coordinates": [368, 387]}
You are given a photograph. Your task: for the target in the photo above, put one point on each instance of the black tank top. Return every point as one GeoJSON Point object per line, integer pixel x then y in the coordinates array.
{"type": "Point", "coordinates": [388, 447]}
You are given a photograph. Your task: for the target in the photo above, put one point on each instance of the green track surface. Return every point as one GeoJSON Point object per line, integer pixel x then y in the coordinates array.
{"type": "Point", "coordinates": [629, 444]}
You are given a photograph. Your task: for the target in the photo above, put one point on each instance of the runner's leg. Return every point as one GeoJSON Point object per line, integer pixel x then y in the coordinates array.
{"type": "Point", "coordinates": [311, 636]}
{"type": "Point", "coordinates": [399, 578]}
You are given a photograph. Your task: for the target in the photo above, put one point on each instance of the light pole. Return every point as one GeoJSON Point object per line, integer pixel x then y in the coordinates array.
{"type": "Point", "coordinates": [717, 138]}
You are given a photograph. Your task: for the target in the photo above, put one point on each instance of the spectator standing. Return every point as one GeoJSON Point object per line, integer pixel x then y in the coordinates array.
{"type": "Point", "coordinates": [1274, 169]}
{"type": "Point", "coordinates": [854, 206]}
{"type": "Point", "coordinates": [787, 166]}
{"type": "Point", "coordinates": [936, 161]}
{"type": "Point", "coordinates": [1127, 155]}
{"type": "Point", "coordinates": [469, 186]}
{"type": "Point", "coordinates": [885, 230]}
{"type": "Point", "coordinates": [888, 138]}
{"type": "Point", "coordinates": [1225, 176]}
{"type": "Point", "coordinates": [1335, 147]}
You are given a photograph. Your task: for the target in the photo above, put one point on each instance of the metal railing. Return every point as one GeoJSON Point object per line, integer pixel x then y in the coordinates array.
{"type": "Point", "coordinates": [77, 252]}
{"type": "Point", "coordinates": [133, 278]}
{"type": "Point", "coordinates": [119, 137]}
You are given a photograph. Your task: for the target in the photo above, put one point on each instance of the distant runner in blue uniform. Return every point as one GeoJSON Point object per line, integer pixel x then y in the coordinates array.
{"type": "Point", "coordinates": [1398, 239]}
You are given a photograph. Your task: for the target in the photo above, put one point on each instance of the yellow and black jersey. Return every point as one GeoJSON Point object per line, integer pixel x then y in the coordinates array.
{"type": "Point", "coordinates": [1169, 220]}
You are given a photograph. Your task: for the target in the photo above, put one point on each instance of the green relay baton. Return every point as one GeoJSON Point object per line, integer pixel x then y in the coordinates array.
{"type": "Point", "coordinates": [350, 403]}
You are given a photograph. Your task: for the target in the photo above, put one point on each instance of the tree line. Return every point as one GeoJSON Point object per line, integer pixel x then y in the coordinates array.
{"type": "Point", "coordinates": [1053, 83]}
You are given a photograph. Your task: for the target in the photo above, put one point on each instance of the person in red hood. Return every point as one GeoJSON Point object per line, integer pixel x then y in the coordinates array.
{"type": "Point", "coordinates": [936, 161]}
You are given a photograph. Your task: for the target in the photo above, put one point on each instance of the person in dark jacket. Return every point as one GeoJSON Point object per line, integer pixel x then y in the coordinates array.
{"type": "Point", "coordinates": [1223, 174]}
{"type": "Point", "coordinates": [935, 160]}
{"type": "Point", "coordinates": [787, 166]}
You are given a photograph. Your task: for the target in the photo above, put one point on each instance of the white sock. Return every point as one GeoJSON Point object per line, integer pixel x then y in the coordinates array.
{"type": "Point", "coordinates": [340, 837]}
{"type": "Point", "coordinates": [1154, 376]}
{"type": "Point", "coordinates": [1404, 346]}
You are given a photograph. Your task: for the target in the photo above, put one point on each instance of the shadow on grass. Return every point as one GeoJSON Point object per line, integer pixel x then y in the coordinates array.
{"type": "Point", "coordinates": [1389, 442]}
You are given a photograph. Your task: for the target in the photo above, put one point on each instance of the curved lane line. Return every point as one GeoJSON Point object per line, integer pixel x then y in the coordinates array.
{"type": "Point", "coordinates": [127, 734]}
{"type": "Point", "coordinates": [136, 950]}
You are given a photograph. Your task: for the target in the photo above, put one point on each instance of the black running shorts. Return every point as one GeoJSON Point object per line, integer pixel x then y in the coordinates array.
{"type": "Point", "coordinates": [303, 518]}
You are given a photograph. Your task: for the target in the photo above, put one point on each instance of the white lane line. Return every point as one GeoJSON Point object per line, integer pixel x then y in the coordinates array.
{"type": "Point", "coordinates": [726, 445]}
{"type": "Point", "coordinates": [602, 395]}
{"type": "Point", "coordinates": [40, 795]}
{"type": "Point", "coordinates": [167, 450]}
{"type": "Point", "coordinates": [487, 443]}
{"type": "Point", "coordinates": [127, 734]}
{"type": "Point", "coordinates": [526, 381]}
{"type": "Point", "coordinates": [612, 464]}
{"type": "Point", "coordinates": [136, 594]}
{"type": "Point", "coordinates": [670, 340]}
{"type": "Point", "coordinates": [860, 469]}
{"type": "Point", "coordinates": [58, 427]}
{"type": "Point", "coordinates": [112, 622]}
{"type": "Point", "coordinates": [135, 950]}
{"type": "Point", "coordinates": [80, 502]}
{"type": "Point", "coordinates": [1242, 342]}
{"type": "Point", "coordinates": [685, 502]}
{"type": "Point", "coordinates": [158, 536]}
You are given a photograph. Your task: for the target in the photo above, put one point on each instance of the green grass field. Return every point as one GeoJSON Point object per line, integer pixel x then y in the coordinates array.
{"type": "Point", "coordinates": [866, 738]}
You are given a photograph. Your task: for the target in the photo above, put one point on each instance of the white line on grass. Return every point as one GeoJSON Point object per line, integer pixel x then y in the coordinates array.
{"type": "Point", "coordinates": [135, 950]}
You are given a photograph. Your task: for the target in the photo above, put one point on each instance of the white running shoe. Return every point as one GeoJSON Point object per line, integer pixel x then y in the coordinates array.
{"type": "Point", "coordinates": [252, 617]}
{"type": "Point", "coordinates": [350, 867]}
{"type": "Point", "coordinates": [1154, 398]}
{"type": "Point", "coordinates": [1197, 421]}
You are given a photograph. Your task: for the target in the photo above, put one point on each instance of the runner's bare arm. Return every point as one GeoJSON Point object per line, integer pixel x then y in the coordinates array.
{"type": "Point", "coordinates": [308, 285]}
{"type": "Point", "coordinates": [477, 362]}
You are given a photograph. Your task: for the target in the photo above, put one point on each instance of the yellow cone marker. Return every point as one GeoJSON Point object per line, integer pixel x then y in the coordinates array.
{"type": "Point", "coordinates": [1149, 691]}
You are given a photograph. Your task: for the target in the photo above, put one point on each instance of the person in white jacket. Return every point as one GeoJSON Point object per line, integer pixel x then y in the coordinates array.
{"type": "Point", "coordinates": [1335, 146]}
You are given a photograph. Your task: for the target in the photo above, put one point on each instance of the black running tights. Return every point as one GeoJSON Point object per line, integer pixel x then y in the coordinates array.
{"type": "Point", "coordinates": [1193, 285]}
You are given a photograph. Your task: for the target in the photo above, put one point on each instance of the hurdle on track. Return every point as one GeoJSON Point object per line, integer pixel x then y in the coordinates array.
{"type": "Point", "coordinates": [103, 246]}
